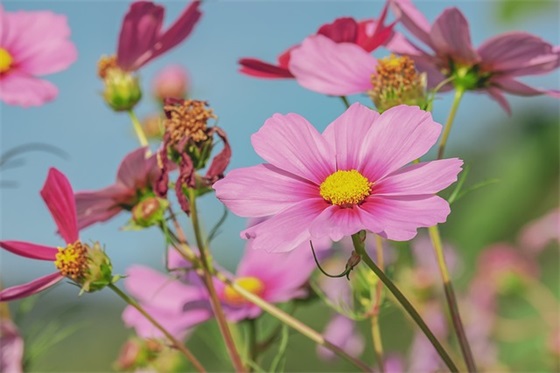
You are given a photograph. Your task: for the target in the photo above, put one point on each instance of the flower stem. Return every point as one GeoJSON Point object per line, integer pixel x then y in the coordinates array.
{"type": "Point", "coordinates": [452, 300]}
{"type": "Point", "coordinates": [375, 330]}
{"type": "Point", "coordinates": [207, 276]}
{"type": "Point", "coordinates": [358, 240]}
{"type": "Point", "coordinates": [138, 128]}
{"type": "Point", "coordinates": [181, 347]}
{"type": "Point", "coordinates": [345, 101]}
{"type": "Point", "coordinates": [447, 129]}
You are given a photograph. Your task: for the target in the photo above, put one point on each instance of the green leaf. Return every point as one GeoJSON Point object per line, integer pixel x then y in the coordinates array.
{"type": "Point", "coordinates": [279, 361]}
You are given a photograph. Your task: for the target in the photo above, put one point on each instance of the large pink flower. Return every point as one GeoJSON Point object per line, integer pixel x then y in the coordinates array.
{"type": "Point", "coordinates": [351, 177]}
{"type": "Point", "coordinates": [141, 38]}
{"type": "Point", "coordinates": [134, 178]}
{"type": "Point", "coordinates": [57, 194]}
{"type": "Point", "coordinates": [492, 68]}
{"type": "Point", "coordinates": [366, 35]}
{"type": "Point", "coordinates": [32, 44]}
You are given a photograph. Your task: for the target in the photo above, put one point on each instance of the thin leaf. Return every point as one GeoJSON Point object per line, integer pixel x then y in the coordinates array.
{"type": "Point", "coordinates": [460, 183]}
{"type": "Point", "coordinates": [280, 359]}
{"type": "Point", "coordinates": [216, 227]}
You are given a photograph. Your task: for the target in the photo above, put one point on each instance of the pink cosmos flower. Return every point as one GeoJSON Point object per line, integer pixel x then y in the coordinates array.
{"type": "Point", "coordinates": [539, 233]}
{"type": "Point", "coordinates": [57, 194]}
{"type": "Point", "coordinates": [366, 35]}
{"type": "Point", "coordinates": [180, 305]}
{"type": "Point", "coordinates": [134, 178]}
{"type": "Point", "coordinates": [351, 177]}
{"type": "Point", "coordinates": [32, 44]}
{"type": "Point", "coordinates": [172, 81]}
{"type": "Point", "coordinates": [492, 68]}
{"type": "Point", "coordinates": [141, 38]}
{"type": "Point", "coordinates": [11, 347]}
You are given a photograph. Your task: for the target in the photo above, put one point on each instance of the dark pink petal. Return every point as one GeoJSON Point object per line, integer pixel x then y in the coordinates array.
{"type": "Point", "coordinates": [59, 197]}
{"type": "Point", "coordinates": [515, 51]}
{"type": "Point", "coordinates": [336, 222]}
{"type": "Point", "coordinates": [102, 205]}
{"type": "Point", "coordinates": [451, 37]}
{"type": "Point", "coordinates": [139, 33]}
{"type": "Point", "coordinates": [221, 160]}
{"type": "Point", "coordinates": [399, 136]}
{"type": "Point", "coordinates": [18, 88]}
{"type": "Point", "coordinates": [25, 290]}
{"type": "Point", "coordinates": [134, 169]}
{"type": "Point", "coordinates": [323, 66]}
{"type": "Point", "coordinates": [515, 87]}
{"type": "Point", "coordinates": [372, 34]}
{"type": "Point", "coordinates": [262, 190]}
{"type": "Point", "coordinates": [412, 19]}
{"type": "Point", "coordinates": [342, 30]}
{"type": "Point", "coordinates": [401, 216]}
{"type": "Point", "coordinates": [346, 133]}
{"type": "Point", "coordinates": [179, 30]}
{"type": "Point", "coordinates": [288, 229]}
{"type": "Point", "coordinates": [260, 69]}
{"type": "Point", "coordinates": [420, 179]}
{"type": "Point", "coordinates": [30, 250]}
{"type": "Point", "coordinates": [292, 144]}
{"type": "Point", "coordinates": [497, 95]}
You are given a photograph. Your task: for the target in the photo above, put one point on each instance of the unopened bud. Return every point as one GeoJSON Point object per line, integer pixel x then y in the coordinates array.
{"type": "Point", "coordinates": [149, 211]}
{"type": "Point", "coordinates": [99, 271]}
{"type": "Point", "coordinates": [122, 88]}
{"type": "Point", "coordinates": [171, 81]}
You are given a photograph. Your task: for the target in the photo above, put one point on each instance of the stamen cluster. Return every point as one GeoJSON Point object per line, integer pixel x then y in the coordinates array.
{"type": "Point", "coordinates": [72, 261]}
{"type": "Point", "coordinates": [345, 188]}
{"type": "Point", "coordinates": [187, 119]}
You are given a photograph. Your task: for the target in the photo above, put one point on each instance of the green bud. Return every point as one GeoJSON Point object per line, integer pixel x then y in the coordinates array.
{"type": "Point", "coordinates": [122, 89]}
{"type": "Point", "coordinates": [99, 272]}
{"type": "Point", "coordinates": [149, 211]}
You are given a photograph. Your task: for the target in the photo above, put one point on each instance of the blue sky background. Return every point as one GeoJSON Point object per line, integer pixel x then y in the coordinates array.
{"type": "Point", "coordinates": [96, 139]}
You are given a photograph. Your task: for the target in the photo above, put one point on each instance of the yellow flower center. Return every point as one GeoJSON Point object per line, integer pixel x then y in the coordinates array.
{"type": "Point", "coordinates": [72, 261]}
{"type": "Point", "coordinates": [345, 188]}
{"type": "Point", "coordinates": [251, 284]}
{"type": "Point", "coordinates": [6, 60]}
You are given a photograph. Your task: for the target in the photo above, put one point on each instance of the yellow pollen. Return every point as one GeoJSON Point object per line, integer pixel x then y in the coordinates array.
{"type": "Point", "coordinates": [72, 260]}
{"type": "Point", "coordinates": [105, 64]}
{"type": "Point", "coordinates": [345, 188]}
{"type": "Point", "coordinates": [251, 284]}
{"type": "Point", "coordinates": [187, 119]}
{"type": "Point", "coordinates": [6, 60]}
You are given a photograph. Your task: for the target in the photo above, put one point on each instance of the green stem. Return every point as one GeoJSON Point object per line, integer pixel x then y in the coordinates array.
{"type": "Point", "coordinates": [138, 128]}
{"type": "Point", "coordinates": [451, 299]}
{"type": "Point", "coordinates": [181, 347]}
{"type": "Point", "coordinates": [253, 343]}
{"type": "Point", "coordinates": [359, 246]}
{"type": "Point", "coordinates": [447, 129]}
{"type": "Point", "coordinates": [375, 329]}
{"type": "Point", "coordinates": [345, 101]}
{"type": "Point", "coordinates": [215, 302]}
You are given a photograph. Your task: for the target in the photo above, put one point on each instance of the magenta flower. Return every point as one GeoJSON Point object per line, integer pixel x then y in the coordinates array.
{"type": "Point", "coordinates": [366, 35]}
{"type": "Point", "coordinates": [32, 44]}
{"type": "Point", "coordinates": [134, 179]}
{"type": "Point", "coordinates": [351, 177]}
{"type": "Point", "coordinates": [180, 305]}
{"type": "Point", "coordinates": [70, 260]}
{"type": "Point", "coordinates": [11, 347]}
{"type": "Point", "coordinates": [141, 38]}
{"type": "Point", "coordinates": [492, 68]}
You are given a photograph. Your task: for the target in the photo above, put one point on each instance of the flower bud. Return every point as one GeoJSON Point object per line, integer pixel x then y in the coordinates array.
{"type": "Point", "coordinates": [171, 81]}
{"type": "Point", "coordinates": [153, 127]}
{"type": "Point", "coordinates": [149, 211]}
{"type": "Point", "coordinates": [99, 272]}
{"type": "Point", "coordinates": [122, 88]}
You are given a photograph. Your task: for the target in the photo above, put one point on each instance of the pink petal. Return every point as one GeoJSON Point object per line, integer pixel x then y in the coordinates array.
{"type": "Point", "coordinates": [451, 37]}
{"type": "Point", "coordinates": [497, 95]}
{"type": "Point", "coordinates": [517, 88]}
{"type": "Point", "coordinates": [38, 41]}
{"type": "Point", "coordinates": [288, 229]}
{"type": "Point", "coordinates": [135, 168]}
{"type": "Point", "coordinates": [420, 179]}
{"type": "Point", "coordinates": [514, 52]}
{"type": "Point", "coordinates": [139, 32]}
{"type": "Point", "coordinates": [323, 66]}
{"type": "Point", "coordinates": [342, 332]}
{"type": "Point", "coordinates": [292, 144]}
{"type": "Point", "coordinates": [30, 250]}
{"type": "Point", "coordinates": [11, 353]}
{"type": "Point", "coordinates": [260, 69]}
{"type": "Point", "coordinates": [402, 216]}
{"type": "Point", "coordinates": [18, 88]}
{"type": "Point", "coordinates": [262, 190]}
{"type": "Point", "coordinates": [342, 30]}
{"type": "Point", "coordinates": [412, 19]}
{"type": "Point", "coordinates": [346, 133]}
{"type": "Point", "coordinates": [25, 290]}
{"type": "Point", "coordinates": [373, 34]}
{"type": "Point", "coordinates": [59, 197]}
{"type": "Point", "coordinates": [399, 136]}
{"type": "Point", "coordinates": [336, 222]}
{"type": "Point", "coordinates": [102, 205]}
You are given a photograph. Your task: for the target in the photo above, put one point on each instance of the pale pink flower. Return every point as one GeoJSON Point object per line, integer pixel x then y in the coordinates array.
{"type": "Point", "coordinates": [539, 233]}
{"type": "Point", "coordinates": [11, 347]}
{"type": "Point", "coordinates": [32, 44]}
{"type": "Point", "coordinates": [351, 177]}
{"type": "Point", "coordinates": [342, 331]}
{"type": "Point", "coordinates": [366, 35]}
{"type": "Point", "coordinates": [492, 68]}
{"type": "Point", "coordinates": [172, 81]}
{"type": "Point", "coordinates": [141, 38]}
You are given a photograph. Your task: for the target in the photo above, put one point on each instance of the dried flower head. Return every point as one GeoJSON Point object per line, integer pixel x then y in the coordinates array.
{"type": "Point", "coordinates": [187, 119]}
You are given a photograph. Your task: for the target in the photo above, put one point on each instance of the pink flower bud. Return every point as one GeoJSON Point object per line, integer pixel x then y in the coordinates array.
{"type": "Point", "coordinates": [171, 81]}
